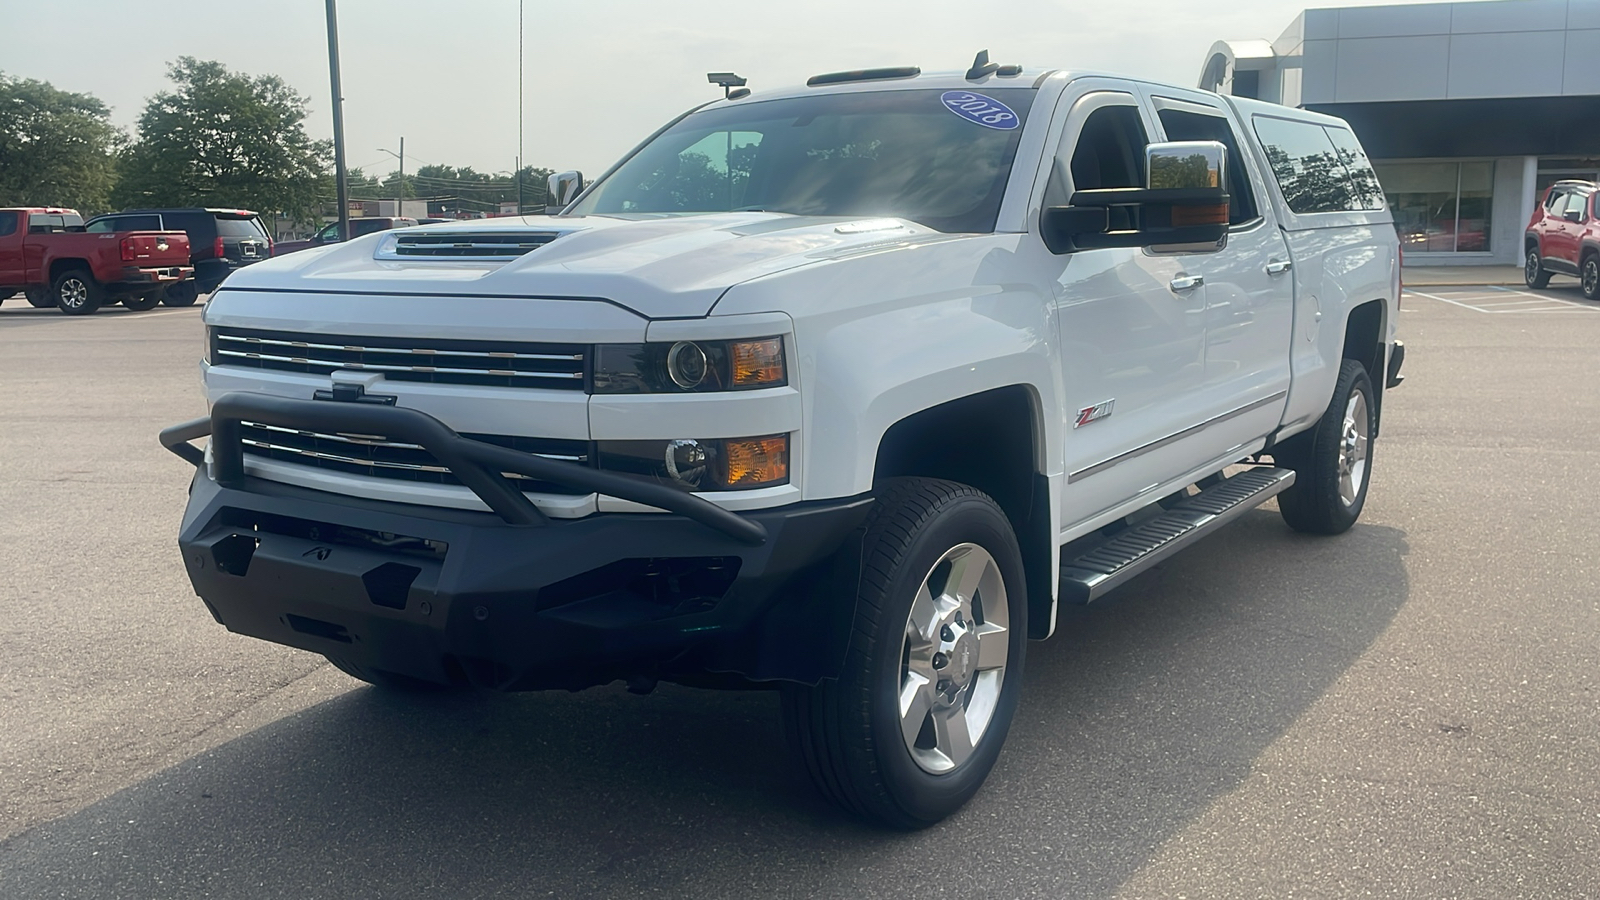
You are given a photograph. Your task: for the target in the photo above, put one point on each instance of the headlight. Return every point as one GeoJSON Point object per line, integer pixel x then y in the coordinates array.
{"type": "Point", "coordinates": [731, 464]}
{"type": "Point", "coordinates": [689, 366]}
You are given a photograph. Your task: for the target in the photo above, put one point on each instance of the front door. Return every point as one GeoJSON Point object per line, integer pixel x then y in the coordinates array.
{"type": "Point", "coordinates": [1249, 288]}
{"type": "Point", "coordinates": [1131, 324]}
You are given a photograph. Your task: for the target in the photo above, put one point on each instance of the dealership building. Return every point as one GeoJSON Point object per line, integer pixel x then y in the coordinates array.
{"type": "Point", "coordinates": [1468, 110]}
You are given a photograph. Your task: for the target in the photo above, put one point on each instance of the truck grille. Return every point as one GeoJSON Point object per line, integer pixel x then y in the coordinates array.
{"type": "Point", "coordinates": [378, 457]}
{"type": "Point", "coordinates": [489, 363]}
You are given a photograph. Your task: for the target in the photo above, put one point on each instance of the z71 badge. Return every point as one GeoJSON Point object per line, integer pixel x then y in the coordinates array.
{"type": "Point", "coordinates": [1091, 413]}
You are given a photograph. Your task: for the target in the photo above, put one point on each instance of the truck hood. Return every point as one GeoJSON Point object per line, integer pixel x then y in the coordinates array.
{"type": "Point", "coordinates": [660, 267]}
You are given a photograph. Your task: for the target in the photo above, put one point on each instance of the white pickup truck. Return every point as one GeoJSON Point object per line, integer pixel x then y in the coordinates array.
{"type": "Point", "coordinates": [840, 389]}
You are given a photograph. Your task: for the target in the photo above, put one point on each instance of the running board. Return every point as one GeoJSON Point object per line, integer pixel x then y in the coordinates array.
{"type": "Point", "coordinates": [1130, 552]}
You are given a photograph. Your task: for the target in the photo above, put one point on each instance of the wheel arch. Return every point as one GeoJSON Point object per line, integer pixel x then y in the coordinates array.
{"type": "Point", "coordinates": [993, 440]}
{"type": "Point", "coordinates": [1364, 329]}
{"type": "Point", "coordinates": [63, 264]}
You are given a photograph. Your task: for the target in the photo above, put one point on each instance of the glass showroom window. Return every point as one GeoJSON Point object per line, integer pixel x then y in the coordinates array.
{"type": "Point", "coordinates": [1440, 207]}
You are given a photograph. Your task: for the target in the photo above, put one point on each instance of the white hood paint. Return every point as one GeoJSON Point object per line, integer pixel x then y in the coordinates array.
{"type": "Point", "coordinates": [659, 268]}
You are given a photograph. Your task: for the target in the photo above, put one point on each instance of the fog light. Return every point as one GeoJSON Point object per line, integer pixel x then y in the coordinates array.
{"type": "Point", "coordinates": [753, 462]}
{"type": "Point", "coordinates": [686, 462]}
{"type": "Point", "coordinates": [686, 365]}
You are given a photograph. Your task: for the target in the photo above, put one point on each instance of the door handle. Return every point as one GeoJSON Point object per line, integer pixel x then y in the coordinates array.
{"type": "Point", "coordinates": [1186, 282]}
{"type": "Point", "coordinates": [1279, 266]}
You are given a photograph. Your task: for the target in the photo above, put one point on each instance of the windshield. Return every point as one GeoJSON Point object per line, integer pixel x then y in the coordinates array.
{"type": "Point", "coordinates": [924, 155]}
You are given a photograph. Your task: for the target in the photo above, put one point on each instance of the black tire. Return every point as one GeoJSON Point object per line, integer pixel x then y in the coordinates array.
{"type": "Point", "coordinates": [1533, 271]}
{"type": "Point", "coordinates": [1320, 500]}
{"type": "Point", "coordinates": [184, 293]}
{"type": "Point", "coordinates": [1589, 276]}
{"type": "Point", "coordinates": [389, 681]}
{"type": "Point", "coordinates": [848, 731]}
{"type": "Point", "coordinates": [142, 302]}
{"type": "Point", "coordinates": [76, 293]}
{"type": "Point", "coordinates": [38, 298]}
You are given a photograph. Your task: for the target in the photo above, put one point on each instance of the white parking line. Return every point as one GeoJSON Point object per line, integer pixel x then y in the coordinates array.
{"type": "Point", "coordinates": [1493, 300]}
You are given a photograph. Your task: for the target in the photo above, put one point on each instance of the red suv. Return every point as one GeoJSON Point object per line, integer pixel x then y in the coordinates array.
{"type": "Point", "coordinates": [1564, 236]}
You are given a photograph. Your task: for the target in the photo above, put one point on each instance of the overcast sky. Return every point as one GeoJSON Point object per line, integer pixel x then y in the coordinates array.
{"type": "Point", "coordinates": [599, 74]}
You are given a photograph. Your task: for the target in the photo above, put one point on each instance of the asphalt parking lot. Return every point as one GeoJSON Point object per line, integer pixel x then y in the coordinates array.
{"type": "Point", "coordinates": [1408, 710]}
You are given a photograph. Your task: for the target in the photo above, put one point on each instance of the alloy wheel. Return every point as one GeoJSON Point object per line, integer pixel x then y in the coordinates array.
{"type": "Point", "coordinates": [953, 660]}
{"type": "Point", "coordinates": [1353, 449]}
{"type": "Point", "coordinates": [74, 293]}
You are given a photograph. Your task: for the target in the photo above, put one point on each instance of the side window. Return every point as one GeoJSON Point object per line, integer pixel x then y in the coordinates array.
{"type": "Point", "coordinates": [104, 226]}
{"type": "Point", "coordinates": [1576, 203]}
{"type": "Point", "coordinates": [330, 233]}
{"type": "Point", "coordinates": [8, 223]}
{"type": "Point", "coordinates": [1555, 203]}
{"type": "Point", "coordinates": [1307, 166]}
{"type": "Point", "coordinates": [1181, 125]}
{"type": "Point", "coordinates": [1363, 181]}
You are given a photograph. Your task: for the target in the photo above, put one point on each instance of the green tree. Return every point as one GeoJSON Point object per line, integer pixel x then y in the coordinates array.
{"type": "Point", "coordinates": [56, 148]}
{"type": "Point", "coordinates": [223, 138]}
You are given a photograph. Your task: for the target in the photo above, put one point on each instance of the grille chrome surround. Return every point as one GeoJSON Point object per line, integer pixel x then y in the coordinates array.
{"type": "Point", "coordinates": [462, 245]}
{"type": "Point", "coordinates": [487, 363]}
{"type": "Point", "coordinates": [377, 456]}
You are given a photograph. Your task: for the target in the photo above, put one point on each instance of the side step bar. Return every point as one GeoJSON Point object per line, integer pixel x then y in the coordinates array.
{"type": "Point", "coordinates": [1110, 564]}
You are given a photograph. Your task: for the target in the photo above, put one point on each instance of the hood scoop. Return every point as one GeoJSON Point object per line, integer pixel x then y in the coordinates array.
{"type": "Point", "coordinates": [462, 244]}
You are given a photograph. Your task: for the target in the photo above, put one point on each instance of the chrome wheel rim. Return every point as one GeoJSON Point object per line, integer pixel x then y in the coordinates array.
{"type": "Point", "coordinates": [74, 293]}
{"type": "Point", "coordinates": [1591, 276]}
{"type": "Point", "coordinates": [1353, 449]}
{"type": "Point", "coordinates": [953, 658]}
{"type": "Point", "coordinates": [1530, 272]}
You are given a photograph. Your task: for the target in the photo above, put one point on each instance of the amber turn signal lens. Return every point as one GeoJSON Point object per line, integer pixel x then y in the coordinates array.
{"type": "Point", "coordinates": [1185, 216]}
{"type": "Point", "coordinates": [753, 462]}
{"type": "Point", "coordinates": [758, 362]}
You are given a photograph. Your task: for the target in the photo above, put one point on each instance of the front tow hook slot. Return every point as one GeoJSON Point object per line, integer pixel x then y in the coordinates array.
{"type": "Point", "coordinates": [389, 584]}
{"type": "Point", "coordinates": [233, 553]}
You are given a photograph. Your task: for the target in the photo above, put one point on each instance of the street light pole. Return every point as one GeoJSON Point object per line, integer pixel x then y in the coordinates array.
{"type": "Point", "coordinates": [400, 205]}
{"type": "Point", "coordinates": [341, 183]}
{"type": "Point", "coordinates": [519, 106]}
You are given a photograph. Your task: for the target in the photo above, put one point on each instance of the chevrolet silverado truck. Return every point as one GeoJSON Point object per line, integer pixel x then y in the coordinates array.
{"type": "Point", "coordinates": [46, 254]}
{"type": "Point", "coordinates": [842, 389]}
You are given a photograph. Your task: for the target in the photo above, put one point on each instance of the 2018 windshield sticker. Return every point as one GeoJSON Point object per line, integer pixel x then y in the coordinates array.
{"type": "Point", "coordinates": [985, 111]}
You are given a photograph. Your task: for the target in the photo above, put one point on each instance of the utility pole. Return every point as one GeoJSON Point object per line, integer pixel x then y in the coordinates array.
{"type": "Point", "coordinates": [399, 207]}
{"type": "Point", "coordinates": [519, 106]}
{"type": "Point", "coordinates": [339, 178]}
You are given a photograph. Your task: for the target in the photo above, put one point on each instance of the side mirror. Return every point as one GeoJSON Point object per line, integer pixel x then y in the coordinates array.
{"type": "Point", "coordinates": [1183, 205]}
{"type": "Point", "coordinates": [563, 187]}
{"type": "Point", "coordinates": [1573, 215]}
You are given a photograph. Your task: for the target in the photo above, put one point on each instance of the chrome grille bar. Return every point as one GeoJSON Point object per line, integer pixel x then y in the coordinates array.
{"type": "Point", "coordinates": [378, 367]}
{"type": "Point", "coordinates": [420, 351]}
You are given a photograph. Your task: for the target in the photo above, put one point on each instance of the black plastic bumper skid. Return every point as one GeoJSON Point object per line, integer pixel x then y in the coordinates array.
{"type": "Point", "coordinates": [478, 465]}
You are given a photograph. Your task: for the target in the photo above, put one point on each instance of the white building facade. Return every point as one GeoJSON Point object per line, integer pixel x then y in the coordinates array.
{"type": "Point", "coordinates": [1468, 110]}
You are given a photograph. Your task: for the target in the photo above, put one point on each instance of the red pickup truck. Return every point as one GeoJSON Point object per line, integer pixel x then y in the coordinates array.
{"type": "Point", "coordinates": [46, 254]}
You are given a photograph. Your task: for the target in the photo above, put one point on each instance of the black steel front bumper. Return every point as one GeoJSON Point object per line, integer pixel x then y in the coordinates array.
{"type": "Point", "coordinates": [509, 600]}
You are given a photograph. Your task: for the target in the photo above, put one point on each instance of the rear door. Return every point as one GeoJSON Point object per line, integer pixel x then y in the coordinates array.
{"type": "Point", "coordinates": [1249, 289]}
{"type": "Point", "coordinates": [1561, 238]}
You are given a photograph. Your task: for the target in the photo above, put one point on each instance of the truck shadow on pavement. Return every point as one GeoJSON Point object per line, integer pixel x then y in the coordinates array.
{"type": "Point", "coordinates": [1141, 712]}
